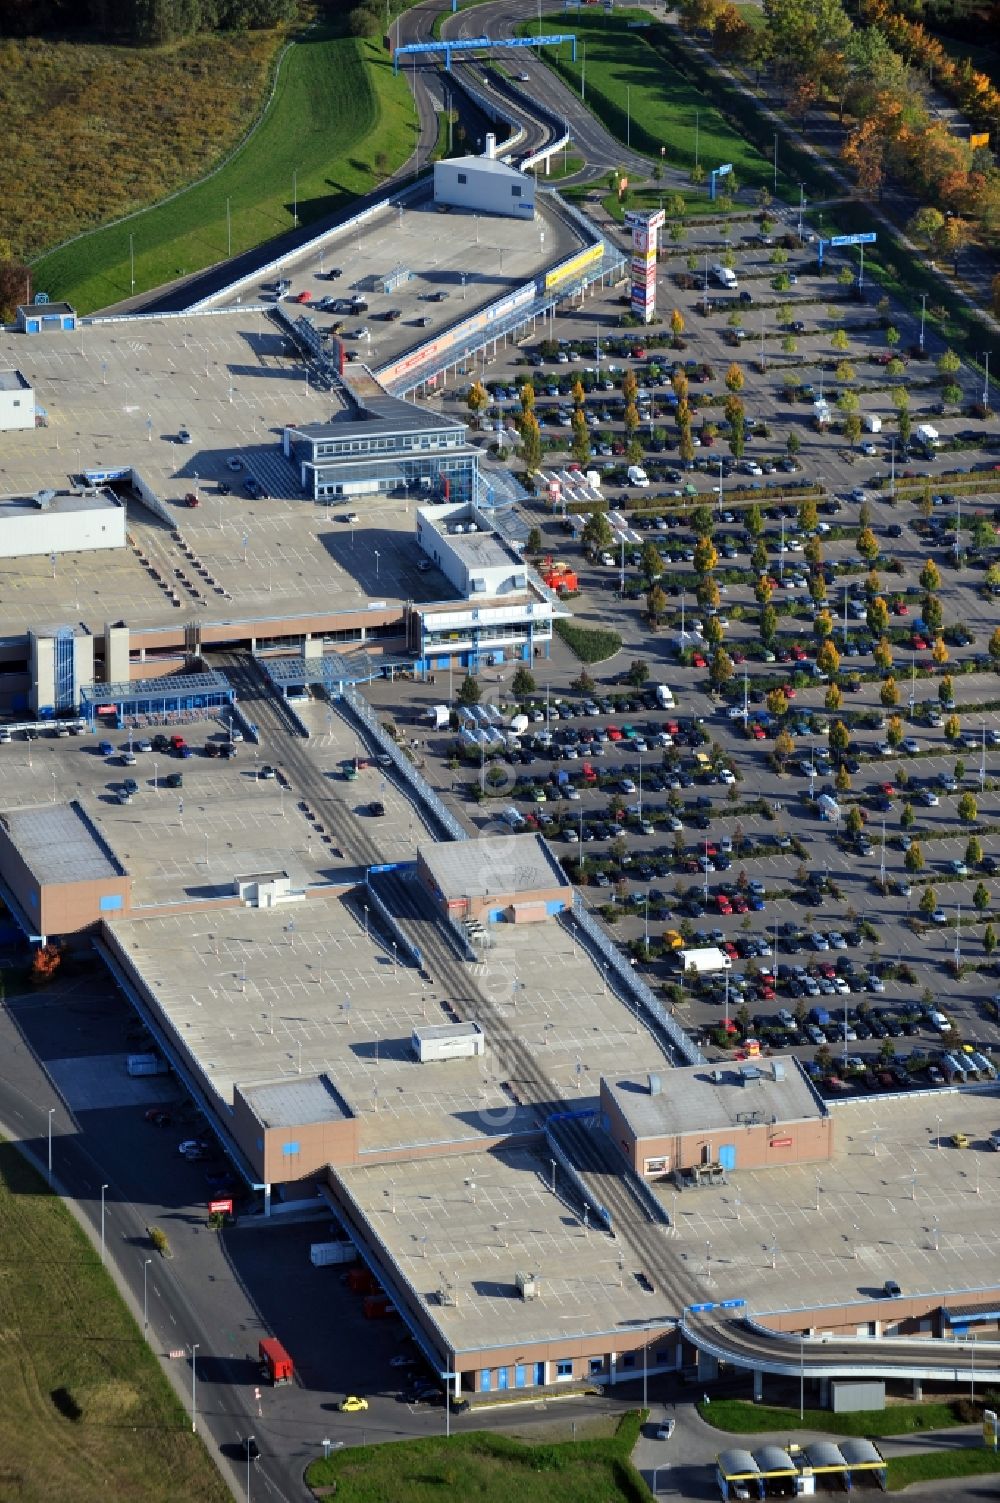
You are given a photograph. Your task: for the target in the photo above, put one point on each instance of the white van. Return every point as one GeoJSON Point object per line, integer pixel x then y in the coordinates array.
{"type": "Point", "coordinates": [637, 475]}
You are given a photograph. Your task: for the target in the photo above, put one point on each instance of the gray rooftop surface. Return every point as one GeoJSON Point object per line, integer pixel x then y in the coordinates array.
{"type": "Point", "coordinates": [12, 381]}
{"type": "Point", "coordinates": [691, 1101]}
{"type": "Point", "coordinates": [498, 863]}
{"type": "Point", "coordinates": [291, 1103]}
{"type": "Point", "coordinates": [58, 501]}
{"type": "Point", "coordinates": [58, 844]}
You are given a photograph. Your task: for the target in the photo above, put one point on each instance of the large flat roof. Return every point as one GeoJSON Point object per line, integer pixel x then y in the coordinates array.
{"type": "Point", "coordinates": [292, 1103]}
{"type": "Point", "coordinates": [58, 844]}
{"type": "Point", "coordinates": [56, 503]}
{"type": "Point", "coordinates": [498, 863]}
{"type": "Point", "coordinates": [466, 1225]}
{"type": "Point", "coordinates": [691, 1099]}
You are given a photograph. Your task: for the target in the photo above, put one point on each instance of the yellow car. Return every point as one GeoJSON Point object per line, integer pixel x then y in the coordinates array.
{"type": "Point", "coordinates": [672, 940]}
{"type": "Point", "coordinates": [353, 1405]}
{"type": "Point", "coordinates": [959, 1140]}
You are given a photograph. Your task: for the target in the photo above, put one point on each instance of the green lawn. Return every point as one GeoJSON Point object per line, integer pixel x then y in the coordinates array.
{"type": "Point", "coordinates": [86, 1415]}
{"type": "Point", "coordinates": [743, 1418]}
{"type": "Point", "coordinates": [339, 121]}
{"type": "Point", "coordinates": [929, 1466]}
{"type": "Point", "coordinates": [487, 1468]}
{"type": "Point", "coordinates": [634, 89]}
{"type": "Point", "coordinates": [591, 644]}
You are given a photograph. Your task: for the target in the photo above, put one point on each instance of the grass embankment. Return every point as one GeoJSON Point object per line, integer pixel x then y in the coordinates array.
{"type": "Point", "coordinates": [743, 1418]}
{"type": "Point", "coordinates": [90, 132]}
{"type": "Point", "coordinates": [930, 1466]}
{"type": "Point", "coordinates": [86, 1412]}
{"type": "Point", "coordinates": [339, 122]}
{"type": "Point", "coordinates": [592, 644]}
{"type": "Point", "coordinates": [637, 93]}
{"type": "Point", "coordinates": [489, 1468]}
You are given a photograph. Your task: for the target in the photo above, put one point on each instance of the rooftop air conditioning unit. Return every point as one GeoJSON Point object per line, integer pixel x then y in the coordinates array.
{"type": "Point", "coordinates": [527, 1285]}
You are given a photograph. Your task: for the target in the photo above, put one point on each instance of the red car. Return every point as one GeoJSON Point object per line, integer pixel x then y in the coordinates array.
{"type": "Point", "coordinates": [740, 905]}
{"type": "Point", "coordinates": [304, 297]}
{"type": "Point", "coordinates": [887, 788]}
{"type": "Point", "coordinates": [758, 732]}
{"type": "Point", "coordinates": [699, 661]}
{"type": "Point", "coordinates": [723, 905]}
{"type": "Point", "coordinates": [799, 653]}
{"type": "Point", "coordinates": [900, 608]}
{"type": "Point", "coordinates": [613, 733]}
{"type": "Point", "coordinates": [917, 642]}
{"type": "Point", "coordinates": [788, 691]}
{"type": "Point", "coordinates": [672, 726]}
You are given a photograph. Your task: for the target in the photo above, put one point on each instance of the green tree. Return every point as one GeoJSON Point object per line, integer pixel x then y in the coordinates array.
{"type": "Point", "coordinates": [527, 395]}
{"type": "Point", "coordinates": [734, 377]}
{"type": "Point", "coordinates": [968, 810]}
{"type": "Point", "coordinates": [838, 739]}
{"type": "Point", "coordinates": [889, 693]}
{"type": "Point", "coordinates": [777, 704]}
{"type": "Point", "coordinates": [842, 780]}
{"type": "Point", "coordinates": [914, 858]}
{"type": "Point", "coordinates": [854, 823]}
{"type": "Point", "coordinates": [531, 443]}
{"type": "Point", "coordinates": [939, 652]}
{"type": "Point", "coordinates": [973, 851]}
{"type": "Point", "coordinates": [949, 364]}
{"type": "Point", "coordinates": [754, 524]}
{"type": "Point", "coordinates": [652, 563]}
{"type": "Point", "coordinates": [534, 543]}
{"type": "Point", "coordinates": [721, 668]}
{"type": "Point", "coordinates": [597, 534]}
{"type": "Point", "coordinates": [828, 658]}
{"type": "Point", "coordinates": [523, 683]}
{"type": "Point", "coordinates": [952, 728]}
{"type": "Point", "coordinates": [852, 428]}
{"type": "Point", "coordinates": [638, 673]}
{"type": "Point", "coordinates": [677, 323]}
{"type": "Point", "coordinates": [833, 698]}
{"type": "Point", "coordinates": [580, 444]}
{"type": "Point", "coordinates": [656, 604]}
{"type": "Point", "coordinates": [470, 692]}
{"type": "Point", "coordinates": [908, 817]}
{"type": "Point", "coordinates": [930, 576]}
{"type": "Point", "coordinates": [981, 897]}
{"type": "Point", "coordinates": [928, 900]}
{"type": "Point", "coordinates": [882, 654]}
{"type": "Point", "coordinates": [894, 731]}
{"type": "Point", "coordinates": [839, 340]}
{"type": "Point", "coordinates": [877, 616]}
{"type": "Point", "coordinates": [793, 443]}
{"type": "Point", "coordinates": [768, 624]}
{"type": "Point", "coordinates": [989, 940]}
{"type": "Point", "coordinates": [994, 646]}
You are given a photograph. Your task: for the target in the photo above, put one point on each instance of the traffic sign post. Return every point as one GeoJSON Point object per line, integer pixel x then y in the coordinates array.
{"type": "Point", "coordinates": [868, 238]}
{"type": "Point", "coordinates": [713, 178]}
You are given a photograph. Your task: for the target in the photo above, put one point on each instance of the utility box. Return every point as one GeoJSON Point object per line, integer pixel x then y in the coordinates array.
{"type": "Point", "coordinates": [849, 1397]}
{"type": "Point", "coordinates": [448, 1041]}
{"type": "Point", "coordinates": [527, 1285]}
{"type": "Point", "coordinates": [147, 1064]}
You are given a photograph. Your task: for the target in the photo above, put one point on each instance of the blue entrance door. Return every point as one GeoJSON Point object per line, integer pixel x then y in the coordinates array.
{"type": "Point", "coordinates": [503, 1375]}
{"type": "Point", "coordinates": [727, 1155]}
{"type": "Point", "coordinates": [519, 1377]}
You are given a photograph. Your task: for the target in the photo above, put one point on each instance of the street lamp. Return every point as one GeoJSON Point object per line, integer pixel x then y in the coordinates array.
{"type": "Point", "coordinates": [145, 1293]}
{"type": "Point", "coordinates": [51, 1111]}
{"type": "Point", "coordinates": [194, 1358]}
{"type": "Point", "coordinates": [249, 1447]}
{"type": "Point", "coordinates": [103, 1248]}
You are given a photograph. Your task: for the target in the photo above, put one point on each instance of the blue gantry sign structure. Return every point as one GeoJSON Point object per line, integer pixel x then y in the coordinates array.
{"type": "Point", "coordinates": [477, 44]}
{"type": "Point", "coordinates": [713, 178]}
{"type": "Point", "coordinates": [868, 238]}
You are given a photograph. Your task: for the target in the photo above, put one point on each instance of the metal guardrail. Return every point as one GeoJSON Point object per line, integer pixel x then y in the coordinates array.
{"type": "Point", "coordinates": [631, 983]}
{"type": "Point", "coordinates": [563, 1160]}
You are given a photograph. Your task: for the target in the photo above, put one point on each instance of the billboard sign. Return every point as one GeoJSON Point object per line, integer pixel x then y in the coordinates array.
{"type": "Point", "coordinates": [220, 1207]}
{"type": "Point", "coordinates": [867, 239]}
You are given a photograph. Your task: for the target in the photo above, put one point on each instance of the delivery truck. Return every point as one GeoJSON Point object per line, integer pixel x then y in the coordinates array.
{"type": "Point", "coordinates": [275, 1363]}
{"type": "Point", "coordinates": [438, 715]}
{"type": "Point", "coordinates": [926, 435]}
{"type": "Point", "coordinates": [872, 422]}
{"type": "Point", "coordinates": [664, 697]}
{"type": "Point", "coordinates": [324, 1254]}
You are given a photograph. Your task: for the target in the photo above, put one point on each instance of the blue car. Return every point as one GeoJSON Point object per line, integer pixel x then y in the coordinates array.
{"type": "Point", "coordinates": [106, 749]}
{"type": "Point", "coordinates": [758, 905]}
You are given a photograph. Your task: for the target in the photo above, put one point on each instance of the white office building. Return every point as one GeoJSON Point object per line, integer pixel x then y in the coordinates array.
{"type": "Point", "coordinates": [484, 186]}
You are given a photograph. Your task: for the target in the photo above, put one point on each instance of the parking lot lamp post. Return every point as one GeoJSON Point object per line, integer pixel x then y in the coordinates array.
{"type": "Point", "coordinates": [958, 937]}
{"type": "Point", "coordinates": [802, 1378]}
{"type": "Point", "coordinates": [982, 761]}
{"type": "Point", "coordinates": [845, 615]}
{"type": "Point", "coordinates": [145, 1293]}
{"type": "Point", "coordinates": [892, 468]}
{"type": "Point", "coordinates": [583, 71]}
{"type": "Point", "coordinates": [553, 1163]}
{"type": "Point", "coordinates": [845, 1033]}
{"type": "Point", "coordinates": [705, 873]}
{"type": "Point", "coordinates": [131, 262]}
{"type": "Point", "coordinates": [881, 868]}
{"type": "Point", "coordinates": [697, 137]}
{"type": "Point", "coordinates": [640, 787]}
{"type": "Point", "coordinates": [986, 380]}
{"type": "Point", "coordinates": [726, 984]}
{"type": "Point", "coordinates": [645, 936]}
{"type": "Point", "coordinates": [802, 204]}
{"type": "Point", "coordinates": [621, 572]}
{"type": "Point", "coordinates": [103, 1244]}
{"type": "Point", "coordinates": [645, 1372]}
{"type": "Point", "coordinates": [913, 682]}
{"type": "Point", "coordinates": [248, 1440]}
{"type": "Point", "coordinates": [295, 199]}
{"type": "Point", "coordinates": [706, 276]}
{"type": "Point", "coordinates": [51, 1111]}
{"type": "Point", "coordinates": [194, 1370]}
{"type": "Point", "coordinates": [628, 115]}
{"type": "Point", "coordinates": [937, 1119]}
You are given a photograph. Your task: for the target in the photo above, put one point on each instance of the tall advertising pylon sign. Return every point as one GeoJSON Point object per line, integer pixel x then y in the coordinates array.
{"type": "Point", "coordinates": [645, 227]}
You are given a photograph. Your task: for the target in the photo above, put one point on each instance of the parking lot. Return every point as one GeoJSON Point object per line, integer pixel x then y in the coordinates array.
{"type": "Point", "coordinates": [703, 824]}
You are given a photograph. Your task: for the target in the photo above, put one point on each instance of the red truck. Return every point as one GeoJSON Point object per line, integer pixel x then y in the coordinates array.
{"type": "Point", "coordinates": [191, 499]}
{"type": "Point", "coordinates": [275, 1362]}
